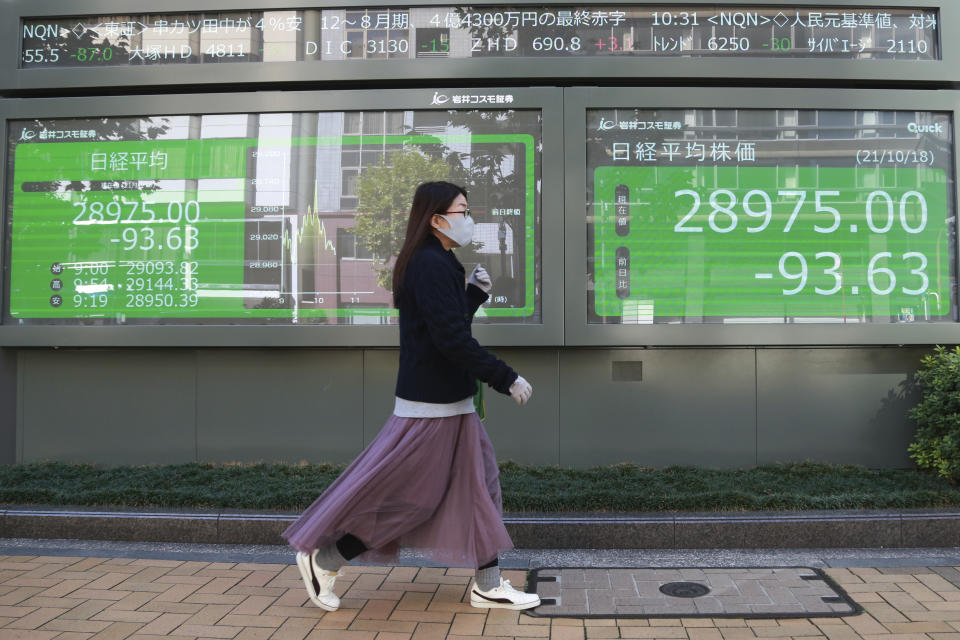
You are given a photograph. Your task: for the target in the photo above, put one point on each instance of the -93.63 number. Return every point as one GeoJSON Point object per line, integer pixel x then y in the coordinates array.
{"type": "Point", "coordinates": [881, 279]}
{"type": "Point", "coordinates": [147, 239]}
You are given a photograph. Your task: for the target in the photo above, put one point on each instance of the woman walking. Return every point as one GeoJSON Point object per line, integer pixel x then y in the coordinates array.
{"type": "Point", "coordinates": [429, 481]}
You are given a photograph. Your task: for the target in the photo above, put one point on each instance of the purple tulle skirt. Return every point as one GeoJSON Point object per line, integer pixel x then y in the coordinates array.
{"type": "Point", "coordinates": [430, 485]}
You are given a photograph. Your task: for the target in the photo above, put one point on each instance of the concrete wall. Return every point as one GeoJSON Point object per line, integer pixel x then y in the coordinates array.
{"type": "Point", "coordinates": [8, 406]}
{"type": "Point", "coordinates": [718, 407]}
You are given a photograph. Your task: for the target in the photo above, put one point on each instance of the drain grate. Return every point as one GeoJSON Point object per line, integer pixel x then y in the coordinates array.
{"type": "Point", "coordinates": [685, 589]}
{"type": "Point", "coordinates": [738, 592]}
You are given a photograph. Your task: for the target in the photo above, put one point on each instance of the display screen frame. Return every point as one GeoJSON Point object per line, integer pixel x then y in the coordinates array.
{"type": "Point", "coordinates": [14, 81]}
{"type": "Point", "coordinates": [578, 101]}
{"type": "Point", "coordinates": [548, 332]}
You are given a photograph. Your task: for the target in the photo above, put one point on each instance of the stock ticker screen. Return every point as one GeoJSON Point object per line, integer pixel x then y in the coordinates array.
{"type": "Point", "coordinates": [433, 33]}
{"type": "Point", "coordinates": [258, 217]}
{"type": "Point", "coordinates": [770, 216]}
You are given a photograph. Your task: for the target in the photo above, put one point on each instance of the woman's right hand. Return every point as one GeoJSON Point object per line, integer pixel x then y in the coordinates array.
{"type": "Point", "coordinates": [480, 278]}
{"type": "Point", "coordinates": [521, 390]}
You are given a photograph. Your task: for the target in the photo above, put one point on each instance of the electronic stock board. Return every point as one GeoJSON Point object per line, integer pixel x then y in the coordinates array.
{"type": "Point", "coordinates": [770, 215]}
{"type": "Point", "coordinates": [246, 43]}
{"type": "Point", "coordinates": [445, 32]}
{"type": "Point", "coordinates": [259, 217]}
{"type": "Point", "coordinates": [695, 215]}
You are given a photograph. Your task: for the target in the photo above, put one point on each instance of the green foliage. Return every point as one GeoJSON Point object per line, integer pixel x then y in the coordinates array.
{"type": "Point", "coordinates": [617, 488]}
{"type": "Point", "coordinates": [806, 485]}
{"type": "Point", "coordinates": [385, 191]}
{"type": "Point", "coordinates": [936, 444]}
{"type": "Point", "coordinates": [237, 486]}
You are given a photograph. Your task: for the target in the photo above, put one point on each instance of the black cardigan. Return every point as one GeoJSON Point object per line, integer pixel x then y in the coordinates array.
{"type": "Point", "coordinates": [440, 361]}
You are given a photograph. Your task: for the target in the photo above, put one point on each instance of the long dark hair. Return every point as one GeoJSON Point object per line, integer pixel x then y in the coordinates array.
{"type": "Point", "coordinates": [428, 199]}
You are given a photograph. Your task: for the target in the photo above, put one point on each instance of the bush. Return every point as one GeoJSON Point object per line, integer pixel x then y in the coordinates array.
{"type": "Point", "coordinates": [526, 488]}
{"type": "Point", "coordinates": [937, 441]}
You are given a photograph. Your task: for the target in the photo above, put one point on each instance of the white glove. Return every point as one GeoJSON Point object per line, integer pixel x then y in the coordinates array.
{"type": "Point", "coordinates": [480, 278]}
{"type": "Point", "coordinates": [521, 391]}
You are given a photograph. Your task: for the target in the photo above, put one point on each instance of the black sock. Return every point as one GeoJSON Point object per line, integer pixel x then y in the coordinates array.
{"type": "Point", "coordinates": [490, 564]}
{"type": "Point", "coordinates": [350, 546]}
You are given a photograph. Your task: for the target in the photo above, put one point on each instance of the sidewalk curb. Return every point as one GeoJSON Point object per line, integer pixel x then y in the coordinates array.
{"type": "Point", "coordinates": [740, 530]}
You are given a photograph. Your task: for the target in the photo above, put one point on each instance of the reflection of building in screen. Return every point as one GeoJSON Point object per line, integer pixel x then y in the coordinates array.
{"type": "Point", "coordinates": [301, 235]}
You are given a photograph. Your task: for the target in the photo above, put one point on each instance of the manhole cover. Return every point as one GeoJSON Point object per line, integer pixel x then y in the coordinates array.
{"type": "Point", "coordinates": [672, 592]}
{"type": "Point", "coordinates": [685, 589]}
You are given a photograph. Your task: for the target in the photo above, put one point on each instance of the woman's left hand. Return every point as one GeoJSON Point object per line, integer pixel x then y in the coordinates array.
{"type": "Point", "coordinates": [521, 390]}
{"type": "Point", "coordinates": [480, 278]}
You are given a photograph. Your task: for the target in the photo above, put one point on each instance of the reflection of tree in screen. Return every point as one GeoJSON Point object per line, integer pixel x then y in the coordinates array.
{"type": "Point", "coordinates": [489, 172]}
{"type": "Point", "coordinates": [385, 191]}
{"type": "Point", "coordinates": [64, 188]}
{"type": "Point", "coordinates": [89, 48]}
{"type": "Point", "coordinates": [495, 179]}
{"type": "Point", "coordinates": [105, 129]}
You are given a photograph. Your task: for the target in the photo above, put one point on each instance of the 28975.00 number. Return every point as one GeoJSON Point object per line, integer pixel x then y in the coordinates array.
{"type": "Point", "coordinates": [879, 210]}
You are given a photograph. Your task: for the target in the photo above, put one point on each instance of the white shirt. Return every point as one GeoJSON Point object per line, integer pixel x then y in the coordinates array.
{"type": "Point", "coordinates": [413, 409]}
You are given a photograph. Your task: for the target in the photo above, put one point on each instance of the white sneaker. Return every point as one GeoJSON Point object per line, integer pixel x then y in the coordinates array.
{"type": "Point", "coordinates": [502, 597]}
{"type": "Point", "coordinates": [319, 582]}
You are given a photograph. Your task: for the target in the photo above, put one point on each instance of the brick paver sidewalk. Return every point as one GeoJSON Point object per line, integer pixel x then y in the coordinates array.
{"type": "Point", "coordinates": [111, 598]}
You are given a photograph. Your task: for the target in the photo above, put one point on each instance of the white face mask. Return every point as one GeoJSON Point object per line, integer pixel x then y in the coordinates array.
{"type": "Point", "coordinates": [460, 231]}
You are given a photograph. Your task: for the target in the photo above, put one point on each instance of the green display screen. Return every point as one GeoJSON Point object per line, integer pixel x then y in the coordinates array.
{"type": "Point", "coordinates": [263, 228]}
{"type": "Point", "coordinates": [708, 223]}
